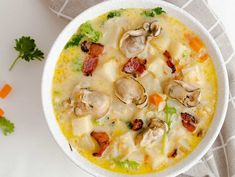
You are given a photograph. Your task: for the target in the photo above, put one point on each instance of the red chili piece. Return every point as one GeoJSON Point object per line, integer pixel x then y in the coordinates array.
{"type": "Point", "coordinates": [188, 121]}
{"type": "Point", "coordinates": [134, 66]}
{"type": "Point", "coordinates": [169, 62]}
{"type": "Point", "coordinates": [89, 65]}
{"type": "Point", "coordinates": [96, 49]}
{"type": "Point", "coordinates": [188, 117]}
{"type": "Point", "coordinates": [189, 126]}
{"type": "Point", "coordinates": [102, 139]}
{"type": "Point", "coordinates": [137, 124]}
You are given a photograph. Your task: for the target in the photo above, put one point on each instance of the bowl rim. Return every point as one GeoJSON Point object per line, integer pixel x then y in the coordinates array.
{"type": "Point", "coordinates": [65, 35]}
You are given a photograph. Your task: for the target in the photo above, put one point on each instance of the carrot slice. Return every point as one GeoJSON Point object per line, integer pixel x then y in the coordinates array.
{"type": "Point", "coordinates": [203, 58]}
{"type": "Point", "coordinates": [5, 91]}
{"type": "Point", "coordinates": [194, 42]}
{"type": "Point", "coordinates": [155, 99]}
{"type": "Point", "coordinates": [1, 112]}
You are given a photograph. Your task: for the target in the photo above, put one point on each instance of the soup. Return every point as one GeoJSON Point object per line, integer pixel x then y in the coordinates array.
{"type": "Point", "coordinates": [134, 90]}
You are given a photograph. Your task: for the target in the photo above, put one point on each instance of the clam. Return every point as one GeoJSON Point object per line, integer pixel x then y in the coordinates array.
{"type": "Point", "coordinates": [152, 28]}
{"type": "Point", "coordinates": [155, 28]}
{"type": "Point", "coordinates": [153, 133]}
{"type": "Point", "coordinates": [133, 42]}
{"type": "Point", "coordinates": [185, 93]}
{"type": "Point", "coordinates": [88, 101]}
{"type": "Point", "coordinates": [129, 91]}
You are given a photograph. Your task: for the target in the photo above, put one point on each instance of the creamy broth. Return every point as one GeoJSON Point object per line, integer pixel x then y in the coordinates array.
{"type": "Point", "coordinates": [134, 90]}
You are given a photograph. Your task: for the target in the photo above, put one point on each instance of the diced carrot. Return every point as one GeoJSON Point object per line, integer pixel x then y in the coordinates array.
{"type": "Point", "coordinates": [203, 58]}
{"type": "Point", "coordinates": [1, 112]}
{"type": "Point", "coordinates": [194, 42]}
{"type": "Point", "coordinates": [155, 99]}
{"type": "Point", "coordinates": [5, 91]}
{"type": "Point", "coordinates": [178, 68]}
{"type": "Point", "coordinates": [178, 77]}
{"type": "Point", "coordinates": [146, 158]}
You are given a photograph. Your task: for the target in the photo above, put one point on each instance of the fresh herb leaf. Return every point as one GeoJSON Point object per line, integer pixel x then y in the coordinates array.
{"type": "Point", "coordinates": [74, 41]}
{"type": "Point", "coordinates": [158, 10]}
{"type": "Point", "coordinates": [6, 126]}
{"type": "Point", "coordinates": [95, 122]}
{"type": "Point", "coordinates": [85, 31]}
{"type": "Point", "coordinates": [127, 164]}
{"type": "Point", "coordinates": [154, 12]}
{"type": "Point", "coordinates": [27, 50]}
{"type": "Point", "coordinates": [89, 32]}
{"type": "Point", "coordinates": [185, 54]}
{"type": "Point", "coordinates": [169, 112]}
{"type": "Point", "coordinates": [113, 14]}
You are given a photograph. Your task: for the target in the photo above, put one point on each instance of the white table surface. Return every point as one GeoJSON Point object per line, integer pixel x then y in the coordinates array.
{"type": "Point", "coordinates": [31, 150]}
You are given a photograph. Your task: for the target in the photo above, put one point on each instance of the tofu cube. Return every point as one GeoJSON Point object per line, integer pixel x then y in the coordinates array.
{"type": "Point", "coordinates": [150, 83]}
{"type": "Point", "coordinates": [162, 41]}
{"type": "Point", "coordinates": [177, 50]}
{"type": "Point", "coordinates": [82, 125]}
{"type": "Point", "coordinates": [159, 68]}
{"type": "Point", "coordinates": [110, 70]}
{"type": "Point", "coordinates": [126, 144]}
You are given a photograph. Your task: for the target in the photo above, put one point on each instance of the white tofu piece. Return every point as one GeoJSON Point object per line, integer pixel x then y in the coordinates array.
{"type": "Point", "coordinates": [193, 75]}
{"type": "Point", "coordinates": [162, 42]}
{"type": "Point", "coordinates": [156, 157]}
{"type": "Point", "coordinates": [111, 37]}
{"type": "Point", "coordinates": [159, 69]}
{"type": "Point", "coordinates": [86, 142]}
{"type": "Point", "coordinates": [121, 111]}
{"type": "Point", "coordinates": [126, 144]}
{"type": "Point", "coordinates": [150, 83]}
{"type": "Point", "coordinates": [110, 70]}
{"type": "Point", "coordinates": [177, 50]}
{"type": "Point", "coordinates": [136, 156]}
{"type": "Point", "coordinates": [82, 125]}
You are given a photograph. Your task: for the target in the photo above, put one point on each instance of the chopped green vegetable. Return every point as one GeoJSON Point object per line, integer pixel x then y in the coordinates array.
{"type": "Point", "coordinates": [95, 122]}
{"type": "Point", "coordinates": [6, 126]}
{"type": "Point", "coordinates": [185, 54]}
{"type": "Point", "coordinates": [154, 12]}
{"type": "Point", "coordinates": [169, 112]}
{"type": "Point", "coordinates": [77, 65]}
{"type": "Point", "coordinates": [74, 41]}
{"type": "Point", "coordinates": [127, 164]}
{"type": "Point", "coordinates": [87, 31]}
{"type": "Point", "coordinates": [113, 14]}
{"type": "Point", "coordinates": [27, 50]}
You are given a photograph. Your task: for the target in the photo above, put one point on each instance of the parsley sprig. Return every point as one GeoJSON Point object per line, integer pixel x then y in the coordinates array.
{"type": "Point", "coordinates": [27, 50]}
{"type": "Point", "coordinates": [154, 12]}
{"type": "Point", "coordinates": [126, 164]}
{"type": "Point", "coordinates": [169, 112]}
{"type": "Point", "coordinates": [6, 125]}
{"type": "Point", "coordinates": [114, 13]}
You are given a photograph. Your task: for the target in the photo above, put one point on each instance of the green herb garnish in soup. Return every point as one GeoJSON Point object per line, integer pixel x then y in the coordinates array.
{"type": "Point", "coordinates": [136, 94]}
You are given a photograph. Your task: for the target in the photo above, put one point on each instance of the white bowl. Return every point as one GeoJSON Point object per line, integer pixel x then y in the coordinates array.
{"type": "Point", "coordinates": [172, 10]}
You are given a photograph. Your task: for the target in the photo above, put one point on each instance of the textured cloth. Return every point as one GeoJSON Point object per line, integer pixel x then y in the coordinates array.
{"type": "Point", "coordinates": [219, 161]}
